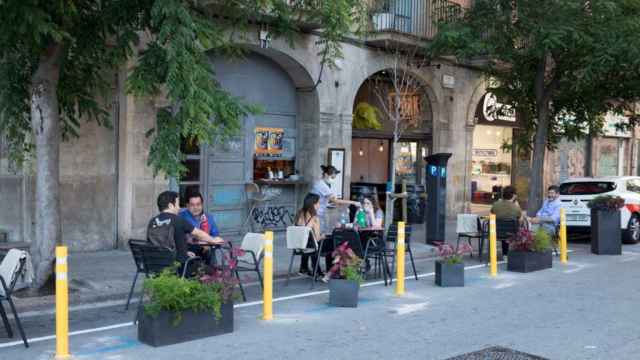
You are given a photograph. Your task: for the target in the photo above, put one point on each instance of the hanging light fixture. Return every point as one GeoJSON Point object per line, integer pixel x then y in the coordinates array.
{"type": "Point", "coordinates": [361, 152]}
{"type": "Point", "coordinates": [381, 148]}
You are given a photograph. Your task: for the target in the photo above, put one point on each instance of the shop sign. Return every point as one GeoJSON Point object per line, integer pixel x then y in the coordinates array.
{"type": "Point", "coordinates": [492, 112]}
{"type": "Point", "coordinates": [269, 142]}
{"type": "Point", "coordinates": [485, 152]}
{"type": "Point", "coordinates": [612, 123]}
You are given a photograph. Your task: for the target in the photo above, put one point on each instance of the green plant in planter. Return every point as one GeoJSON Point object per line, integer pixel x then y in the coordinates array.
{"type": "Point", "coordinates": [606, 203]}
{"type": "Point", "coordinates": [526, 240]}
{"type": "Point", "coordinates": [365, 116]}
{"type": "Point", "coordinates": [346, 264]}
{"type": "Point", "coordinates": [452, 255]}
{"type": "Point", "coordinates": [206, 292]}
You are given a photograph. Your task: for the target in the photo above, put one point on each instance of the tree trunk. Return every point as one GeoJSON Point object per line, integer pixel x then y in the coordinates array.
{"type": "Point", "coordinates": [46, 131]}
{"type": "Point", "coordinates": [543, 95]}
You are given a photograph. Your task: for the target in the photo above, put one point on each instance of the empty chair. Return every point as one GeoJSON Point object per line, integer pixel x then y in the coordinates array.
{"type": "Point", "coordinates": [11, 267]}
{"type": "Point", "coordinates": [469, 227]}
{"type": "Point", "coordinates": [392, 236]}
{"type": "Point", "coordinates": [253, 247]}
{"type": "Point", "coordinates": [375, 250]}
{"type": "Point", "coordinates": [136, 251]}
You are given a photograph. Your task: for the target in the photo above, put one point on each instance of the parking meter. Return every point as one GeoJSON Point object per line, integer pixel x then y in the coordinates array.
{"type": "Point", "coordinates": [436, 182]}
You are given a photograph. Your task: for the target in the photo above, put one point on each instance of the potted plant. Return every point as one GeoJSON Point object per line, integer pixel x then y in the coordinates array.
{"type": "Point", "coordinates": [183, 309]}
{"type": "Point", "coordinates": [606, 236]}
{"type": "Point", "coordinates": [530, 251]}
{"type": "Point", "coordinates": [344, 277]}
{"type": "Point", "coordinates": [450, 265]}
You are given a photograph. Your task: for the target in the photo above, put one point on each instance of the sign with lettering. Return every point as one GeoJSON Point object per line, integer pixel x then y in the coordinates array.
{"type": "Point", "coordinates": [269, 141]}
{"type": "Point", "coordinates": [492, 112]}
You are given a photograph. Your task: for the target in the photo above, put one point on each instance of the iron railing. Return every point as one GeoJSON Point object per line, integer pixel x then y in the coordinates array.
{"type": "Point", "coordinates": [419, 18]}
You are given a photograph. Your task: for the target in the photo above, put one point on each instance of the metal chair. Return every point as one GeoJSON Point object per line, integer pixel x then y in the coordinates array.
{"type": "Point", "coordinates": [253, 246]}
{"type": "Point", "coordinates": [136, 250]}
{"type": "Point", "coordinates": [469, 227]}
{"type": "Point", "coordinates": [506, 230]}
{"type": "Point", "coordinates": [392, 236]}
{"type": "Point", "coordinates": [155, 259]}
{"type": "Point", "coordinates": [375, 250]}
{"type": "Point", "coordinates": [12, 265]}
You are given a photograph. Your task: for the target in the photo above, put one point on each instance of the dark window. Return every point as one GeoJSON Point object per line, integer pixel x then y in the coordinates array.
{"type": "Point", "coordinates": [587, 188]}
{"type": "Point", "coordinates": [190, 180]}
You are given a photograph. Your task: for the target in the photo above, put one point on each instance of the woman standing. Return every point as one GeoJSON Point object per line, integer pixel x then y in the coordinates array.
{"type": "Point", "coordinates": [323, 188]}
{"type": "Point", "coordinates": [307, 216]}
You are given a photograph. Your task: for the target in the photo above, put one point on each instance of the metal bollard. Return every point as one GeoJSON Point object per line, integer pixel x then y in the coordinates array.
{"type": "Point", "coordinates": [493, 251]}
{"type": "Point", "coordinates": [563, 236]}
{"type": "Point", "coordinates": [267, 306]}
{"type": "Point", "coordinates": [400, 249]}
{"type": "Point", "coordinates": [62, 304]}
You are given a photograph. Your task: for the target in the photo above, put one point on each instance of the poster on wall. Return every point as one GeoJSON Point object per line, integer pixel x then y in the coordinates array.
{"type": "Point", "coordinates": [336, 158]}
{"type": "Point", "coordinates": [269, 141]}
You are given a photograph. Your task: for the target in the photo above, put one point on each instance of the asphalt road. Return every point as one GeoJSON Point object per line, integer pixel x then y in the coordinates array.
{"type": "Point", "coordinates": [583, 310]}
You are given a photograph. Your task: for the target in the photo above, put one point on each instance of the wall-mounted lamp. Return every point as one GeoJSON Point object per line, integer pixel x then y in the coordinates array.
{"type": "Point", "coordinates": [361, 152]}
{"type": "Point", "coordinates": [381, 148]}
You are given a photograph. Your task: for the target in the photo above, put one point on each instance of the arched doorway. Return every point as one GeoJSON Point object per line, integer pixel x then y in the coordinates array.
{"type": "Point", "coordinates": [278, 85]}
{"type": "Point", "coordinates": [375, 128]}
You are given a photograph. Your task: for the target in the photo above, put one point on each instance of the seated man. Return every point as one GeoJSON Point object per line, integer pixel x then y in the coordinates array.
{"type": "Point", "coordinates": [195, 215]}
{"type": "Point", "coordinates": [507, 208]}
{"type": "Point", "coordinates": [548, 217]}
{"type": "Point", "coordinates": [169, 230]}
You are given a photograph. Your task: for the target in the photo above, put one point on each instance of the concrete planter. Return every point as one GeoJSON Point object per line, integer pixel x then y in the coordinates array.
{"type": "Point", "coordinates": [449, 275]}
{"type": "Point", "coordinates": [160, 330]}
{"type": "Point", "coordinates": [528, 261]}
{"type": "Point", "coordinates": [606, 236]}
{"type": "Point", "coordinates": [343, 293]}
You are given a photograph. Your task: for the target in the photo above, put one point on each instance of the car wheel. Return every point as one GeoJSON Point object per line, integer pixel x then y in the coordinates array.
{"type": "Point", "coordinates": [632, 234]}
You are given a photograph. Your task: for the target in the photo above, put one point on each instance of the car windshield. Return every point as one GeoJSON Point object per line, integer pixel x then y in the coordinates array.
{"type": "Point", "coordinates": [587, 188]}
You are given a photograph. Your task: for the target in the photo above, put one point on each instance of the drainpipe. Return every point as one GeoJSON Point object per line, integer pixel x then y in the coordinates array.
{"type": "Point", "coordinates": [115, 108]}
{"type": "Point", "coordinates": [588, 171]}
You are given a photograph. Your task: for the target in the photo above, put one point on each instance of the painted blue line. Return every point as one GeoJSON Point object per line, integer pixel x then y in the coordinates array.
{"type": "Point", "coordinates": [122, 344]}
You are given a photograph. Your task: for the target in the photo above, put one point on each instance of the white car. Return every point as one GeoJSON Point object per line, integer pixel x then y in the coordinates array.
{"type": "Point", "coordinates": [576, 193]}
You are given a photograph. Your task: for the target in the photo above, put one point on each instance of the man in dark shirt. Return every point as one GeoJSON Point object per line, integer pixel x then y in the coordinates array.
{"type": "Point", "coordinates": [168, 204]}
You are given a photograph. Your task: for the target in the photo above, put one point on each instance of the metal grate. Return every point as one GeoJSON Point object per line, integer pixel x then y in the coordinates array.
{"type": "Point", "coordinates": [497, 353]}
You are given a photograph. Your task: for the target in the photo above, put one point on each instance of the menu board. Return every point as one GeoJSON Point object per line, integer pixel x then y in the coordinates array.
{"type": "Point", "coordinates": [269, 141]}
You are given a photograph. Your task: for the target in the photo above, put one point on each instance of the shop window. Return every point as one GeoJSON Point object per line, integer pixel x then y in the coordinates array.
{"type": "Point", "coordinates": [407, 162]}
{"type": "Point", "coordinates": [190, 181]}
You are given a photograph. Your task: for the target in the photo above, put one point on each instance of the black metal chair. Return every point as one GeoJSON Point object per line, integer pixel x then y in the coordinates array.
{"type": "Point", "coordinates": [136, 250]}
{"type": "Point", "coordinates": [375, 250]}
{"type": "Point", "coordinates": [392, 237]}
{"type": "Point", "coordinates": [351, 237]}
{"type": "Point", "coordinates": [8, 284]}
{"type": "Point", "coordinates": [506, 230]}
{"type": "Point", "coordinates": [155, 259]}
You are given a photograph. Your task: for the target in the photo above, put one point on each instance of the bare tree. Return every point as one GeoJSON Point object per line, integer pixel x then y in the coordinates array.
{"type": "Point", "coordinates": [401, 99]}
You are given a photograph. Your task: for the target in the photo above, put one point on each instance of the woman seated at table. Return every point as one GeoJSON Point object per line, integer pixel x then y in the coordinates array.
{"type": "Point", "coordinates": [375, 215]}
{"type": "Point", "coordinates": [308, 216]}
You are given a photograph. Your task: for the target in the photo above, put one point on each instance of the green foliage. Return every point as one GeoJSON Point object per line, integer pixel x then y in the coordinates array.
{"type": "Point", "coordinates": [97, 37]}
{"type": "Point", "coordinates": [563, 58]}
{"type": "Point", "coordinates": [541, 241]}
{"type": "Point", "coordinates": [365, 116]}
{"type": "Point", "coordinates": [168, 292]}
{"type": "Point", "coordinates": [352, 273]}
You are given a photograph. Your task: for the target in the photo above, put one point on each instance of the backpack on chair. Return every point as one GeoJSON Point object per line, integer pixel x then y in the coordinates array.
{"type": "Point", "coordinates": [160, 233]}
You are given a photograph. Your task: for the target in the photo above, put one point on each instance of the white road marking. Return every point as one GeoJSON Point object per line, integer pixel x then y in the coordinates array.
{"type": "Point", "coordinates": [410, 308]}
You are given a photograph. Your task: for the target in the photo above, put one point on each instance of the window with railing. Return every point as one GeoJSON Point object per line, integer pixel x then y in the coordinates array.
{"type": "Point", "coordinates": [414, 17]}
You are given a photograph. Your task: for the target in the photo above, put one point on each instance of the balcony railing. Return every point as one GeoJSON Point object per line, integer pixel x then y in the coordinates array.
{"type": "Point", "coordinates": [418, 18]}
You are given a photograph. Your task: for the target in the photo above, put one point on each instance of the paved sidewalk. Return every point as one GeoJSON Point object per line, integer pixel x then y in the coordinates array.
{"type": "Point", "coordinates": [107, 275]}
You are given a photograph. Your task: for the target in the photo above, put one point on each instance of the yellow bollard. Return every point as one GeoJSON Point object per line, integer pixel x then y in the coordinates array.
{"type": "Point", "coordinates": [267, 306]}
{"type": "Point", "coordinates": [400, 249]}
{"type": "Point", "coordinates": [493, 251]}
{"type": "Point", "coordinates": [563, 236]}
{"type": "Point", "coordinates": [62, 304]}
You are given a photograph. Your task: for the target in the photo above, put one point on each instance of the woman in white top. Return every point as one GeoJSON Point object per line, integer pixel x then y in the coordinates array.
{"type": "Point", "coordinates": [322, 188]}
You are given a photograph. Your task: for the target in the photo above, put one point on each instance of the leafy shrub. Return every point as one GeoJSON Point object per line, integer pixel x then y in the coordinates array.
{"type": "Point", "coordinates": [606, 203]}
{"type": "Point", "coordinates": [451, 255]}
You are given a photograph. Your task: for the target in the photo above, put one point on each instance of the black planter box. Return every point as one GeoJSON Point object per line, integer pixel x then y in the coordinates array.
{"type": "Point", "coordinates": [448, 275]}
{"type": "Point", "coordinates": [160, 330]}
{"type": "Point", "coordinates": [343, 293]}
{"type": "Point", "coordinates": [606, 236]}
{"type": "Point", "coordinates": [528, 261]}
